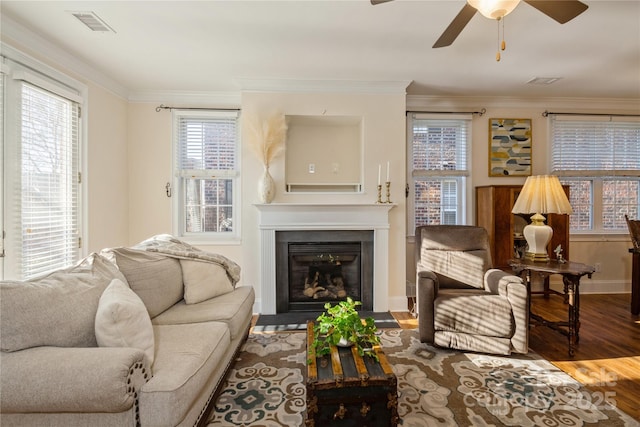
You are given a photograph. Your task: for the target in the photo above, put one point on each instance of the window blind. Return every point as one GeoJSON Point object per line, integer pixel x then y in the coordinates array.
{"type": "Point", "coordinates": [595, 147]}
{"type": "Point", "coordinates": [46, 199]}
{"type": "Point", "coordinates": [207, 145]}
{"type": "Point", "coordinates": [440, 146]}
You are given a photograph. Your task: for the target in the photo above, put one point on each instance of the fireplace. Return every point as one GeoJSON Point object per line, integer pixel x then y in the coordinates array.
{"type": "Point", "coordinates": [277, 217]}
{"type": "Point", "coordinates": [314, 267]}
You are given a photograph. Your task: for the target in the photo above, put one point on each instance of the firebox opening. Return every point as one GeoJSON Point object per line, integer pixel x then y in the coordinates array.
{"type": "Point", "coordinates": [324, 272]}
{"type": "Point", "coordinates": [316, 267]}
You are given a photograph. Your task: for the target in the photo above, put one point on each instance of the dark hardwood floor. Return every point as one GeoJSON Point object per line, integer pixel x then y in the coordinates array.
{"type": "Point", "coordinates": [607, 358]}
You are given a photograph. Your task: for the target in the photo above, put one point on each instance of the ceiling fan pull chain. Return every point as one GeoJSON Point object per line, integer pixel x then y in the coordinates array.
{"type": "Point", "coordinates": [498, 52]}
{"type": "Point", "coordinates": [503, 46]}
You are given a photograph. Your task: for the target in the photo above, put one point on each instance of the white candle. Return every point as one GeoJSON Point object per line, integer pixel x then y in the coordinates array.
{"type": "Point", "coordinates": [387, 171]}
{"type": "Point", "coordinates": [379, 171]}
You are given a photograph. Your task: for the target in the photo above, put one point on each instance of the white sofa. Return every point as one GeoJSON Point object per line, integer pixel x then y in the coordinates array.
{"type": "Point", "coordinates": [63, 364]}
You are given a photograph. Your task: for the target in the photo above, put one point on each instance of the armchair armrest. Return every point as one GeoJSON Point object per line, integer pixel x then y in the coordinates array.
{"type": "Point", "coordinates": [515, 290]}
{"type": "Point", "coordinates": [426, 292]}
{"type": "Point", "coordinates": [64, 379]}
{"type": "Point", "coordinates": [493, 277]}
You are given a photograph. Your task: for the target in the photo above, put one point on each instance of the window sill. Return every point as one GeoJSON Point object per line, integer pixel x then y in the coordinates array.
{"type": "Point", "coordinates": [599, 237]}
{"type": "Point", "coordinates": [211, 240]}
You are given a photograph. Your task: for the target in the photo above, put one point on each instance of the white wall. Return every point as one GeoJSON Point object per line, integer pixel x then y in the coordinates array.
{"type": "Point", "coordinates": [107, 177]}
{"type": "Point", "coordinates": [149, 167]}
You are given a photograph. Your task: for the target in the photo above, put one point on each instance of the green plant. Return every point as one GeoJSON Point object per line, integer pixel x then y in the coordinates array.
{"type": "Point", "coordinates": [343, 322]}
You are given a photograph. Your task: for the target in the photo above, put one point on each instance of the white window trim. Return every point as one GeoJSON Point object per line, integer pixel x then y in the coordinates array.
{"type": "Point", "coordinates": [211, 238]}
{"type": "Point", "coordinates": [20, 66]}
{"type": "Point", "coordinates": [465, 200]}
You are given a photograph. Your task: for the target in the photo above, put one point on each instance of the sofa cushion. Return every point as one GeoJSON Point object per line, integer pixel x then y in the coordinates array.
{"type": "Point", "coordinates": [203, 280]}
{"type": "Point", "coordinates": [55, 310]}
{"type": "Point", "coordinates": [156, 278]}
{"type": "Point", "coordinates": [122, 320]}
{"type": "Point", "coordinates": [234, 309]}
{"type": "Point", "coordinates": [185, 361]}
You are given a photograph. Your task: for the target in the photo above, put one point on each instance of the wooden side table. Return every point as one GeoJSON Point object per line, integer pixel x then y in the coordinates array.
{"type": "Point", "coordinates": [571, 273]}
{"type": "Point", "coordinates": [635, 281]}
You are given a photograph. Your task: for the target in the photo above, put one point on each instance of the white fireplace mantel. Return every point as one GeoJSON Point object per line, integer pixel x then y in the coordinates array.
{"type": "Point", "coordinates": [321, 216]}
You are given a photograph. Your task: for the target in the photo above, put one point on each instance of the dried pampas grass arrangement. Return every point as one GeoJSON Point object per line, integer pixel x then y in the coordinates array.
{"type": "Point", "coordinates": [267, 136]}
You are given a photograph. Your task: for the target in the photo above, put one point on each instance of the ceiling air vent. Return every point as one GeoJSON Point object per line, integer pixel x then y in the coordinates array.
{"type": "Point", "coordinates": [543, 80]}
{"type": "Point", "coordinates": [93, 22]}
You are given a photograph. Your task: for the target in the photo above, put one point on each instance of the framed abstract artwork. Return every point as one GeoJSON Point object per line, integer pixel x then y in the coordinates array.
{"type": "Point", "coordinates": [510, 147]}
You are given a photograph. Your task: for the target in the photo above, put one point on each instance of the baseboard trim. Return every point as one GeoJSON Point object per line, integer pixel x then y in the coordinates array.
{"type": "Point", "coordinates": [590, 286]}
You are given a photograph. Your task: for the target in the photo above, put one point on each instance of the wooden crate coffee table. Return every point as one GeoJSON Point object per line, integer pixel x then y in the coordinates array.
{"type": "Point", "coordinates": [345, 389]}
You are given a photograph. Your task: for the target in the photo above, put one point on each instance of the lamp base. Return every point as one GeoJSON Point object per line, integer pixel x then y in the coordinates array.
{"type": "Point", "coordinates": [536, 257]}
{"type": "Point", "coordinates": [538, 235]}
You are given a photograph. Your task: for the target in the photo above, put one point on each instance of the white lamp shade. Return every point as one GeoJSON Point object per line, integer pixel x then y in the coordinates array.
{"type": "Point", "coordinates": [542, 194]}
{"type": "Point", "coordinates": [494, 9]}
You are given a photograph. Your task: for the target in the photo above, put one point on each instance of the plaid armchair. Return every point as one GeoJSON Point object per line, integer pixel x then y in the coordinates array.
{"type": "Point", "coordinates": [462, 302]}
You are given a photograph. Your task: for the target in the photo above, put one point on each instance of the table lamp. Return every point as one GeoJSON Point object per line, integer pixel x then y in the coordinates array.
{"type": "Point", "coordinates": [542, 194]}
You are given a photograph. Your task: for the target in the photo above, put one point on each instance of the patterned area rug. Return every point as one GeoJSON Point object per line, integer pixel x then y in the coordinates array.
{"type": "Point", "coordinates": [436, 387]}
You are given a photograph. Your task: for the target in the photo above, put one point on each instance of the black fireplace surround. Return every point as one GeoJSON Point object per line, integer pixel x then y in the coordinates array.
{"type": "Point", "coordinates": [314, 267]}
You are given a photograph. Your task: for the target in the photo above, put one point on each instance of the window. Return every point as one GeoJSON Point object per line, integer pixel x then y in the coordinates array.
{"type": "Point", "coordinates": [438, 151]}
{"type": "Point", "coordinates": [207, 175]}
{"type": "Point", "coordinates": [599, 158]}
{"type": "Point", "coordinates": [41, 163]}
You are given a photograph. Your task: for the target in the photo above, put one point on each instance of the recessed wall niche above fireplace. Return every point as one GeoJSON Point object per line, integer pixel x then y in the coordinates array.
{"type": "Point", "coordinates": [324, 154]}
{"type": "Point", "coordinates": [314, 267]}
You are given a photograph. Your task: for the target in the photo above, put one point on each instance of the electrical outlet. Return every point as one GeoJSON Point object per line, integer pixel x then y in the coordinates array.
{"type": "Point", "coordinates": [335, 168]}
{"type": "Point", "coordinates": [312, 168]}
{"type": "Point", "coordinates": [598, 267]}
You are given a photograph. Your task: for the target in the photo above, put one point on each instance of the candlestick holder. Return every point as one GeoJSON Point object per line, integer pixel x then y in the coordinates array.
{"type": "Point", "coordinates": [388, 185]}
{"type": "Point", "coordinates": [379, 194]}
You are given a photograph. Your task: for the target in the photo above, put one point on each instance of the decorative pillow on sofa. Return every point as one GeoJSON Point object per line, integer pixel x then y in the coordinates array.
{"type": "Point", "coordinates": [58, 309]}
{"type": "Point", "coordinates": [155, 278]}
{"type": "Point", "coordinates": [122, 320]}
{"type": "Point", "coordinates": [203, 280]}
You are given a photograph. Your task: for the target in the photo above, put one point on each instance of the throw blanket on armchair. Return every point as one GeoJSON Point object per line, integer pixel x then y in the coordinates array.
{"type": "Point", "coordinates": [170, 246]}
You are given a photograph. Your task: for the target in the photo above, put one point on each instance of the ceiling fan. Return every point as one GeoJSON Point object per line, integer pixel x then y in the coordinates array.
{"type": "Point", "coordinates": [561, 10]}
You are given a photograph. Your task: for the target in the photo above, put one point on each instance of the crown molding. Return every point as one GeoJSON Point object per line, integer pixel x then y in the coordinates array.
{"type": "Point", "coordinates": [322, 86]}
{"type": "Point", "coordinates": [447, 103]}
{"type": "Point", "coordinates": [194, 98]}
{"type": "Point", "coordinates": [21, 38]}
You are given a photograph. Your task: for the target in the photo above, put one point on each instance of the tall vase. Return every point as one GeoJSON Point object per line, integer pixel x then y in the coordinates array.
{"type": "Point", "coordinates": [266, 187]}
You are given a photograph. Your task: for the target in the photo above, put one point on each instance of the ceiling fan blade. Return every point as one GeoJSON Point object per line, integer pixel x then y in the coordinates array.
{"type": "Point", "coordinates": [457, 25]}
{"type": "Point", "coordinates": [375, 2]}
{"type": "Point", "coordinates": [560, 10]}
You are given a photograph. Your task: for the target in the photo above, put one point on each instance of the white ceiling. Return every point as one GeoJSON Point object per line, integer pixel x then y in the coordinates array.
{"type": "Point", "coordinates": [215, 46]}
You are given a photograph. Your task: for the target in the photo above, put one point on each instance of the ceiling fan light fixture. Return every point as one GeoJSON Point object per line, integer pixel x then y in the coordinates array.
{"type": "Point", "coordinates": [494, 9]}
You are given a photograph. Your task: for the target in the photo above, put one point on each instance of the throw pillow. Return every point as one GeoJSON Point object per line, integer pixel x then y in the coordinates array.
{"type": "Point", "coordinates": [155, 278]}
{"type": "Point", "coordinates": [122, 320]}
{"type": "Point", "coordinates": [58, 309]}
{"type": "Point", "coordinates": [203, 280]}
